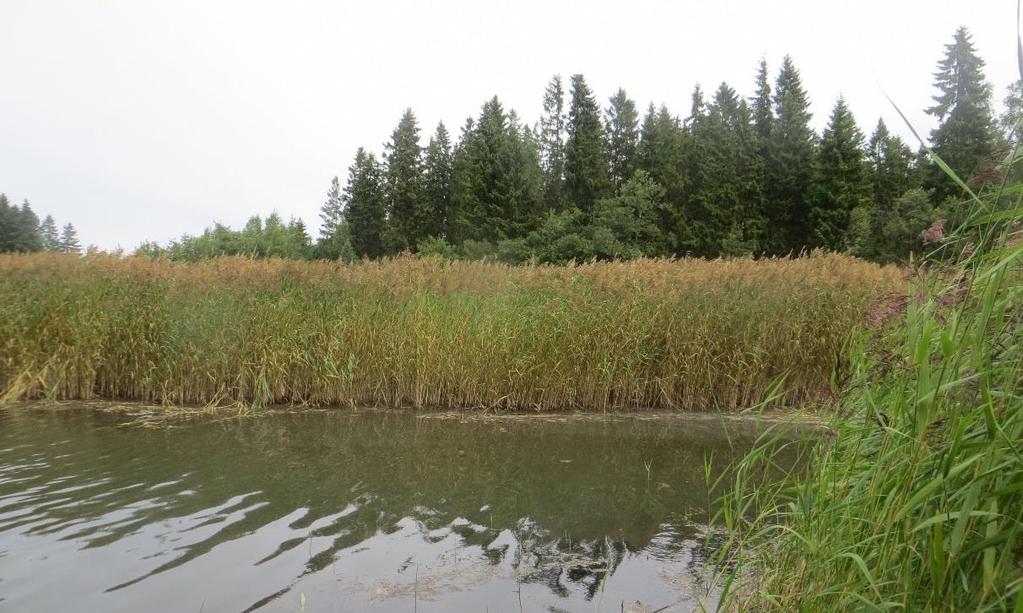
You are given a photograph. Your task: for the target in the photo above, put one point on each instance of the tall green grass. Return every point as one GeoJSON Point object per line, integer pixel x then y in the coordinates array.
{"type": "Point", "coordinates": [915, 500]}
{"type": "Point", "coordinates": [681, 335]}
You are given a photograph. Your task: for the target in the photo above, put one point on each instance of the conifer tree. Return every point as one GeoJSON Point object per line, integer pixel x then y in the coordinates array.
{"type": "Point", "coordinates": [50, 234]}
{"type": "Point", "coordinates": [890, 163]}
{"type": "Point", "coordinates": [661, 153]}
{"type": "Point", "coordinates": [332, 240]}
{"type": "Point", "coordinates": [365, 211]}
{"type": "Point", "coordinates": [69, 240]}
{"type": "Point", "coordinates": [551, 143]}
{"type": "Point", "coordinates": [27, 237]}
{"type": "Point", "coordinates": [622, 128]}
{"type": "Point", "coordinates": [965, 136]}
{"type": "Point", "coordinates": [403, 185]}
{"type": "Point", "coordinates": [840, 180]}
{"type": "Point", "coordinates": [789, 165]}
{"type": "Point", "coordinates": [8, 225]}
{"type": "Point", "coordinates": [586, 178]}
{"type": "Point", "coordinates": [722, 213]}
{"type": "Point", "coordinates": [437, 169]}
{"type": "Point", "coordinates": [763, 115]}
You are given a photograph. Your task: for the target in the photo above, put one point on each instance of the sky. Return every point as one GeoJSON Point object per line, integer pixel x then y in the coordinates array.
{"type": "Point", "coordinates": [143, 120]}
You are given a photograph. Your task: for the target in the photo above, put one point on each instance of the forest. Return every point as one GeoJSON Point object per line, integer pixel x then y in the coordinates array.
{"type": "Point", "coordinates": [737, 176]}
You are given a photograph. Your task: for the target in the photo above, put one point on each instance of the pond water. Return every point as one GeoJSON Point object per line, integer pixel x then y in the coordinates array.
{"type": "Point", "coordinates": [111, 509]}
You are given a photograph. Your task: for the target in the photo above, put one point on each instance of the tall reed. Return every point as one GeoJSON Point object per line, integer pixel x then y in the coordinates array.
{"type": "Point", "coordinates": [683, 334]}
{"type": "Point", "coordinates": [915, 502]}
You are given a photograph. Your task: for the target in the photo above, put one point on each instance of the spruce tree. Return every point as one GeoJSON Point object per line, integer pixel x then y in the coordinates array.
{"type": "Point", "coordinates": [403, 185]}
{"type": "Point", "coordinates": [840, 180]}
{"type": "Point", "coordinates": [497, 180]}
{"type": "Point", "coordinates": [50, 233]}
{"type": "Point", "coordinates": [436, 195]}
{"type": "Point", "coordinates": [365, 210]}
{"type": "Point", "coordinates": [622, 127]}
{"type": "Point", "coordinates": [890, 163]}
{"type": "Point", "coordinates": [763, 115]}
{"type": "Point", "coordinates": [789, 164]}
{"type": "Point", "coordinates": [965, 136]}
{"type": "Point", "coordinates": [551, 143]}
{"type": "Point", "coordinates": [661, 153]}
{"type": "Point", "coordinates": [331, 216]}
{"type": "Point", "coordinates": [721, 214]}
{"type": "Point", "coordinates": [586, 178]}
{"type": "Point", "coordinates": [8, 225]}
{"type": "Point", "coordinates": [29, 238]}
{"type": "Point", "coordinates": [69, 240]}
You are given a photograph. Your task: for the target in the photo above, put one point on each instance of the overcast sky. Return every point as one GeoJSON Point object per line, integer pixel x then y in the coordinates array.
{"type": "Point", "coordinates": [143, 120]}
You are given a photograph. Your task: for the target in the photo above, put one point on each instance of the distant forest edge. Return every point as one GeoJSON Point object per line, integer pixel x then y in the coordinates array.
{"type": "Point", "coordinates": [738, 176]}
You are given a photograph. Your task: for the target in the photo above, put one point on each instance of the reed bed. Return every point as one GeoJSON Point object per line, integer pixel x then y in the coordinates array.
{"type": "Point", "coordinates": [421, 332]}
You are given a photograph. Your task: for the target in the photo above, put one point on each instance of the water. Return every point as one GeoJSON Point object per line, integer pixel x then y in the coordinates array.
{"type": "Point", "coordinates": [105, 510]}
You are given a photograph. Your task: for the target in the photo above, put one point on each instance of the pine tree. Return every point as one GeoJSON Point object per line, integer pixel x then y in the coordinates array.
{"type": "Point", "coordinates": [437, 169]}
{"type": "Point", "coordinates": [586, 178]}
{"type": "Point", "coordinates": [622, 128]}
{"type": "Point", "coordinates": [789, 165]}
{"type": "Point", "coordinates": [965, 136]}
{"type": "Point", "coordinates": [50, 233]}
{"type": "Point", "coordinates": [551, 144]}
{"type": "Point", "coordinates": [403, 185]}
{"type": "Point", "coordinates": [365, 211]}
{"type": "Point", "coordinates": [69, 240]}
{"type": "Point", "coordinates": [840, 180]}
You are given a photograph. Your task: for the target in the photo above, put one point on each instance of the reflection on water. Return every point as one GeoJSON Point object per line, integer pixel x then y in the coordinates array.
{"type": "Point", "coordinates": [343, 511]}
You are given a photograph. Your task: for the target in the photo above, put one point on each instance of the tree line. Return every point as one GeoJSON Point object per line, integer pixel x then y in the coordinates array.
{"type": "Point", "coordinates": [736, 176]}
{"type": "Point", "coordinates": [21, 231]}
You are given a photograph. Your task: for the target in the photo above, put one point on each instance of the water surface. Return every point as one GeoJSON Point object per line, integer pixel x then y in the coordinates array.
{"type": "Point", "coordinates": [104, 510]}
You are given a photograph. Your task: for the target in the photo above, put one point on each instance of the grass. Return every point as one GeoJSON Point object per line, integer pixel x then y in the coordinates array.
{"type": "Point", "coordinates": [915, 501]}
{"type": "Point", "coordinates": [680, 335]}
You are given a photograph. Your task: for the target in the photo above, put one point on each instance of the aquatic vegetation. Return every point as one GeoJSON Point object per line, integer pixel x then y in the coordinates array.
{"type": "Point", "coordinates": [674, 334]}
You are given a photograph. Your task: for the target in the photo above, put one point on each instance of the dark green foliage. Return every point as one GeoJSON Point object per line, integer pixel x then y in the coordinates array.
{"type": "Point", "coordinates": [69, 240]}
{"type": "Point", "coordinates": [409, 215]}
{"type": "Point", "coordinates": [50, 234]}
{"type": "Point", "coordinates": [586, 173]}
{"type": "Point", "coordinates": [496, 179]}
{"type": "Point", "coordinates": [258, 239]}
{"type": "Point", "coordinates": [965, 136]}
{"type": "Point", "coordinates": [661, 153]}
{"type": "Point", "coordinates": [629, 224]}
{"type": "Point", "coordinates": [790, 153]}
{"type": "Point", "coordinates": [890, 164]}
{"type": "Point", "coordinates": [622, 127]}
{"type": "Point", "coordinates": [436, 194]}
{"type": "Point", "coordinates": [551, 143]}
{"type": "Point", "coordinates": [721, 214]}
{"type": "Point", "coordinates": [334, 239]}
{"type": "Point", "coordinates": [20, 230]}
{"type": "Point", "coordinates": [364, 207]}
{"type": "Point", "coordinates": [900, 227]}
{"type": "Point", "coordinates": [840, 180]}
{"type": "Point", "coordinates": [739, 177]}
